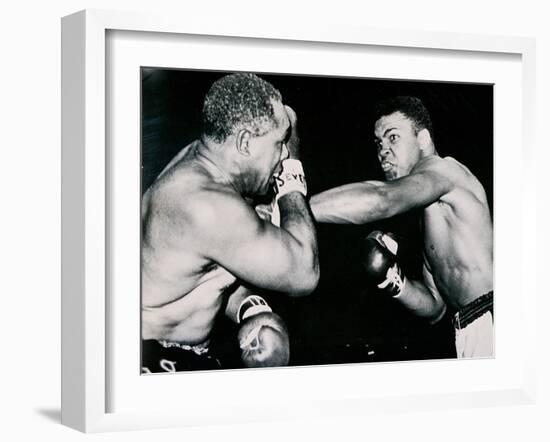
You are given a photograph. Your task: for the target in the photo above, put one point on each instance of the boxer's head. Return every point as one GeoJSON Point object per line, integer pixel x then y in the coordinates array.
{"type": "Point", "coordinates": [246, 113]}
{"type": "Point", "coordinates": [239, 101]}
{"type": "Point", "coordinates": [403, 135]}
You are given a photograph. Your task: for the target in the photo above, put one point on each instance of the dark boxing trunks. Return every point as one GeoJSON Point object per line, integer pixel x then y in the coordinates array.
{"type": "Point", "coordinates": [475, 309]}
{"type": "Point", "coordinates": [157, 357]}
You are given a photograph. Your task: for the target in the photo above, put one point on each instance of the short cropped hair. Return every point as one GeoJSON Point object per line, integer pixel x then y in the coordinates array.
{"type": "Point", "coordinates": [239, 101]}
{"type": "Point", "coordinates": [411, 107]}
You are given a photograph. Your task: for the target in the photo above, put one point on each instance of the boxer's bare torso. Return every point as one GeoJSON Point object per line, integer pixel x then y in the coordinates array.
{"type": "Point", "coordinates": [200, 235]}
{"type": "Point", "coordinates": [458, 237]}
{"type": "Point", "coordinates": [182, 291]}
{"type": "Point", "coordinates": [458, 233]}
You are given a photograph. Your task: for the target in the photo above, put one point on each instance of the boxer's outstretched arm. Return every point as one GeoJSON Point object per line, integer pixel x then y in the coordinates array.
{"type": "Point", "coordinates": [364, 202]}
{"type": "Point", "coordinates": [355, 203]}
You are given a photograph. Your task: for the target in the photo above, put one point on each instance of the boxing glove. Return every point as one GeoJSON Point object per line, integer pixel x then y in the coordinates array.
{"type": "Point", "coordinates": [263, 336]}
{"type": "Point", "coordinates": [380, 263]}
{"type": "Point", "coordinates": [293, 142]}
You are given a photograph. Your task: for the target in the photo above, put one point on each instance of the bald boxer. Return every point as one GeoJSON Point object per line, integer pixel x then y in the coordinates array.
{"type": "Point", "coordinates": [458, 232]}
{"type": "Point", "coordinates": [204, 247]}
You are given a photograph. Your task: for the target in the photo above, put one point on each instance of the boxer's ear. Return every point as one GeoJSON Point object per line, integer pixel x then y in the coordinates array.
{"type": "Point", "coordinates": [243, 142]}
{"type": "Point", "coordinates": [424, 139]}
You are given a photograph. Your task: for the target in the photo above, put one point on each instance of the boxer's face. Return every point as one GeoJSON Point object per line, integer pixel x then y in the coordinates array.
{"type": "Point", "coordinates": [269, 150]}
{"type": "Point", "coordinates": [397, 145]}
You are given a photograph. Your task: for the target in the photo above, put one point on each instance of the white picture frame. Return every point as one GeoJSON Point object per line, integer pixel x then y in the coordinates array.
{"type": "Point", "coordinates": [87, 206]}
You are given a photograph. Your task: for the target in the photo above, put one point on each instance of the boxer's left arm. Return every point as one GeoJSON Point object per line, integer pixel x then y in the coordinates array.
{"type": "Point", "coordinates": [364, 202]}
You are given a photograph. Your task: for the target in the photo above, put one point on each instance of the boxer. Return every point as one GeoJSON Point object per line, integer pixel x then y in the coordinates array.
{"type": "Point", "coordinates": [203, 244]}
{"type": "Point", "coordinates": [457, 225]}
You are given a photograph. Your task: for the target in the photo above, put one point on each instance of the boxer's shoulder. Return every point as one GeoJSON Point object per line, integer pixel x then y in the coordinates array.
{"type": "Point", "coordinates": [444, 170]}
{"type": "Point", "coordinates": [465, 180]}
{"type": "Point", "coordinates": [463, 189]}
{"type": "Point", "coordinates": [435, 163]}
{"type": "Point", "coordinates": [209, 211]}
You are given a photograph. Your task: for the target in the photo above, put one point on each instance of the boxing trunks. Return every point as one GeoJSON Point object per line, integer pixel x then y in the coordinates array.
{"type": "Point", "coordinates": [163, 357]}
{"type": "Point", "coordinates": [473, 325]}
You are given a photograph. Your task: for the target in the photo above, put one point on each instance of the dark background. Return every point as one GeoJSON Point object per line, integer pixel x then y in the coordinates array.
{"type": "Point", "coordinates": [343, 321]}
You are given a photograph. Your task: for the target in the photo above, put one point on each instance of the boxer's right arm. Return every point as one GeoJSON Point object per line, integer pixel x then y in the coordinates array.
{"type": "Point", "coordinates": [263, 336]}
{"type": "Point", "coordinates": [423, 302]}
{"type": "Point", "coordinates": [382, 268]}
{"type": "Point", "coordinates": [379, 261]}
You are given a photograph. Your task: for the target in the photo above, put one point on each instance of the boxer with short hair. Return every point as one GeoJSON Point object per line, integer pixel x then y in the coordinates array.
{"type": "Point", "coordinates": [205, 247]}
{"type": "Point", "coordinates": [458, 231]}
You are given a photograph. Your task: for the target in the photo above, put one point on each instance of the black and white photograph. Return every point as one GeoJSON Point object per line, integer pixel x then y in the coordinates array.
{"type": "Point", "coordinates": [244, 221]}
{"type": "Point", "coordinates": [295, 220]}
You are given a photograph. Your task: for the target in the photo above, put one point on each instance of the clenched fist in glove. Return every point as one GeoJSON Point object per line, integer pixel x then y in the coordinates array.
{"type": "Point", "coordinates": [263, 336]}
{"type": "Point", "coordinates": [379, 259]}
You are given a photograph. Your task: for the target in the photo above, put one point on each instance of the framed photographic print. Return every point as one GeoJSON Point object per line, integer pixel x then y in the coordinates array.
{"type": "Point", "coordinates": [137, 295]}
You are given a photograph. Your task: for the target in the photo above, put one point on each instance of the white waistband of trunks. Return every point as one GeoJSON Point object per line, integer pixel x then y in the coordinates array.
{"type": "Point", "coordinates": [199, 349]}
